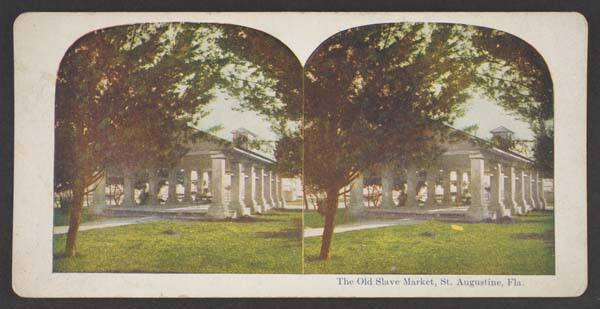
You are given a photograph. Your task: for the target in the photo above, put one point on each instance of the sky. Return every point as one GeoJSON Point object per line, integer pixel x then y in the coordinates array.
{"type": "Point", "coordinates": [222, 113]}
{"type": "Point", "coordinates": [488, 115]}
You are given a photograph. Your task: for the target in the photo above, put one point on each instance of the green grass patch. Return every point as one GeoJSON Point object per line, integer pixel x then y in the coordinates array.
{"type": "Point", "coordinates": [313, 219]}
{"type": "Point", "coordinates": [271, 243]}
{"type": "Point", "coordinates": [525, 247]}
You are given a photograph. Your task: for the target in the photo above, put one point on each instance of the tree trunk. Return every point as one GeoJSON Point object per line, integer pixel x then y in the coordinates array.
{"type": "Point", "coordinates": [331, 202]}
{"type": "Point", "coordinates": [304, 199]}
{"type": "Point", "coordinates": [74, 219]}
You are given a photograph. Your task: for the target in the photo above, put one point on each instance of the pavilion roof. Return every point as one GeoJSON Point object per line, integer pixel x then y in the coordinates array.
{"type": "Point", "coordinates": [229, 145]}
{"type": "Point", "coordinates": [501, 129]}
{"type": "Point", "coordinates": [490, 146]}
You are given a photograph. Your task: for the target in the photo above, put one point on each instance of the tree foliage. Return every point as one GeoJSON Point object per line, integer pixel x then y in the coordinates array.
{"type": "Point", "coordinates": [516, 76]}
{"type": "Point", "coordinates": [270, 85]}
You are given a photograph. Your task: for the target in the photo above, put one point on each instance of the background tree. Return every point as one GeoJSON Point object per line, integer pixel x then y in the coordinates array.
{"type": "Point", "coordinates": [517, 78]}
{"type": "Point", "coordinates": [272, 86]}
{"type": "Point", "coordinates": [383, 93]}
{"type": "Point", "coordinates": [129, 94]}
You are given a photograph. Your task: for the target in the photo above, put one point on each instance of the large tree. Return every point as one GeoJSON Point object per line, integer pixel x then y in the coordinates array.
{"type": "Point", "coordinates": [128, 94]}
{"type": "Point", "coordinates": [385, 93]}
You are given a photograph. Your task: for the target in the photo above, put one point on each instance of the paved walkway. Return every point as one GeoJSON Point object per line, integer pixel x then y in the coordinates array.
{"type": "Point", "coordinates": [365, 225]}
{"type": "Point", "coordinates": [105, 223]}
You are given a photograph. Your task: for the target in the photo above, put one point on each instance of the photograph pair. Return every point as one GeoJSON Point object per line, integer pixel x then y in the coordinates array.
{"type": "Point", "coordinates": [394, 148]}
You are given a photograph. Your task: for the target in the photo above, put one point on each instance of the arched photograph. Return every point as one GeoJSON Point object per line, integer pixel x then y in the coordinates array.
{"type": "Point", "coordinates": [176, 151]}
{"type": "Point", "coordinates": [428, 150]}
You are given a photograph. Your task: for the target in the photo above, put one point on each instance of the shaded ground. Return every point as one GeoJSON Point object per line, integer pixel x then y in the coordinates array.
{"type": "Point", "coordinates": [190, 246]}
{"type": "Point", "coordinates": [525, 247]}
{"type": "Point", "coordinates": [312, 219]}
{"type": "Point", "coordinates": [61, 216]}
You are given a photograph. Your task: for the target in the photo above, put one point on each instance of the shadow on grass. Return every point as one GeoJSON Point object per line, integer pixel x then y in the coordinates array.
{"type": "Point", "coordinates": [528, 221]}
{"type": "Point", "coordinates": [289, 234]}
{"type": "Point", "coordinates": [314, 258]}
{"type": "Point", "coordinates": [60, 255]}
{"type": "Point", "coordinates": [543, 211]}
{"type": "Point", "coordinates": [284, 210]}
{"type": "Point", "coordinates": [279, 213]}
{"type": "Point", "coordinates": [246, 219]}
{"type": "Point", "coordinates": [547, 236]}
{"type": "Point", "coordinates": [273, 216]}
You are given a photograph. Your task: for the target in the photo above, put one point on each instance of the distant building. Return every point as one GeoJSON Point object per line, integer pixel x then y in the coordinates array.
{"type": "Point", "coordinates": [493, 181]}
{"type": "Point", "coordinates": [233, 178]}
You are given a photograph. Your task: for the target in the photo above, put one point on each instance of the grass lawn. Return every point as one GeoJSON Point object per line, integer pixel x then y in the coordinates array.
{"type": "Point", "coordinates": [525, 247]}
{"type": "Point", "coordinates": [271, 243]}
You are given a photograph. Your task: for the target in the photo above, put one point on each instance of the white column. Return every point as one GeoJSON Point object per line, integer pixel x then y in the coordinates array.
{"type": "Point", "coordinates": [536, 189]}
{"type": "Point", "coordinates": [497, 187]}
{"type": "Point", "coordinates": [208, 181]}
{"type": "Point", "coordinates": [431, 184]}
{"type": "Point", "coordinates": [447, 199]}
{"type": "Point", "coordinates": [411, 186]}
{"type": "Point", "coordinates": [276, 185]}
{"type": "Point", "coordinates": [128, 188]}
{"type": "Point", "coordinates": [250, 189]}
{"type": "Point", "coordinates": [478, 210]}
{"type": "Point", "coordinates": [387, 187]}
{"type": "Point", "coordinates": [100, 193]}
{"type": "Point", "coordinates": [534, 186]}
{"type": "Point", "coordinates": [510, 190]}
{"type": "Point", "coordinates": [356, 193]}
{"type": "Point", "coordinates": [269, 190]}
{"type": "Point", "coordinates": [522, 193]}
{"type": "Point", "coordinates": [237, 182]}
{"type": "Point", "coordinates": [152, 187]}
{"type": "Point", "coordinates": [217, 208]}
{"type": "Point", "coordinates": [540, 186]}
{"type": "Point", "coordinates": [172, 198]}
{"type": "Point", "coordinates": [459, 187]}
{"type": "Point", "coordinates": [187, 185]}
{"type": "Point", "coordinates": [260, 189]}
{"type": "Point", "coordinates": [280, 192]}
{"type": "Point", "coordinates": [531, 190]}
